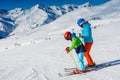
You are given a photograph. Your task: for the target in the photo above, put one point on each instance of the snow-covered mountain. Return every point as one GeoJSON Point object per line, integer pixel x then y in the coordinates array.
{"type": "Point", "coordinates": [88, 4]}
{"type": "Point", "coordinates": [35, 17]}
{"type": "Point", "coordinates": [40, 54]}
{"type": "Point", "coordinates": [20, 21]}
{"type": "Point", "coordinates": [6, 26]}
{"type": "Point", "coordinates": [3, 12]}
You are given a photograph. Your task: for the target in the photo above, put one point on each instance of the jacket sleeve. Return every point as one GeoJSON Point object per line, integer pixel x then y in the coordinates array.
{"type": "Point", "coordinates": [73, 36]}
{"type": "Point", "coordinates": [73, 45]}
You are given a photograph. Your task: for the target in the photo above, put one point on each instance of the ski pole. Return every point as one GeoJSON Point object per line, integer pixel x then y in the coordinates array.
{"type": "Point", "coordinates": [75, 63]}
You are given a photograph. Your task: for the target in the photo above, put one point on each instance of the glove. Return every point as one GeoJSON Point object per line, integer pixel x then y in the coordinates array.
{"type": "Point", "coordinates": [67, 50]}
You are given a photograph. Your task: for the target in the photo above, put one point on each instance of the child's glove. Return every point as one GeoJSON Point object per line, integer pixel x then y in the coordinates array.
{"type": "Point", "coordinates": [67, 49]}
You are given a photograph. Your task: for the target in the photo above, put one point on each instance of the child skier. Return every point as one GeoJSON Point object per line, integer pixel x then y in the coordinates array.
{"type": "Point", "coordinates": [79, 48]}
{"type": "Point", "coordinates": [87, 39]}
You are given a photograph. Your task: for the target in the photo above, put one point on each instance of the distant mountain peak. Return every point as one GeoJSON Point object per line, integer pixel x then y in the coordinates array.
{"type": "Point", "coordinates": [38, 6]}
{"type": "Point", "coordinates": [3, 11]}
{"type": "Point", "coordinates": [87, 4]}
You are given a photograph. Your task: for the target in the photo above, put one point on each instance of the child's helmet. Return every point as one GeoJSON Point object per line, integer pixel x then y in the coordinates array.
{"type": "Point", "coordinates": [67, 35]}
{"type": "Point", "coordinates": [80, 21]}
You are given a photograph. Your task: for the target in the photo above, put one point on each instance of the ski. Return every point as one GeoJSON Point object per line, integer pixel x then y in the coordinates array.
{"type": "Point", "coordinates": [68, 69]}
{"type": "Point", "coordinates": [67, 74]}
{"type": "Point", "coordinates": [71, 73]}
{"type": "Point", "coordinates": [71, 69]}
{"type": "Point", "coordinates": [97, 67]}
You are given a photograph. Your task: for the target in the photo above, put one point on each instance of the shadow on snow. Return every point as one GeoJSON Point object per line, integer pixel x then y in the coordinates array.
{"type": "Point", "coordinates": [108, 64]}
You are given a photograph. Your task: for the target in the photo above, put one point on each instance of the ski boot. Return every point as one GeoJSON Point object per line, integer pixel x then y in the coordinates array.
{"type": "Point", "coordinates": [91, 66]}
{"type": "Point", "coordinates": [77, 71]}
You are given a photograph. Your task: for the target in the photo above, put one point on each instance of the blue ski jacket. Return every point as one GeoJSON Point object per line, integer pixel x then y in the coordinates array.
{"type": "Point", "coordinates": [87, 33]}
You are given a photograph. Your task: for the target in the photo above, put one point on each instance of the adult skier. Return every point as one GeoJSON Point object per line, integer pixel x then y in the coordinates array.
{"type": "Point", "coordinates": [86, 35]}
{"type": "Point", "coordinates": [79, 48]}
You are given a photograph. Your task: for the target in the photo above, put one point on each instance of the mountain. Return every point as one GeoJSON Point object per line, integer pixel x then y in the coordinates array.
{"type": "Point", "coordinates": [3, 11]}
{"type": "Point", "coordinates": [26, 21]}
{"type": "Point", "coordinates": [6, 26]}
{"type": "Point", "coordinates": [32, 18]}
{"type": "Point", "coordinates": [88, 4]}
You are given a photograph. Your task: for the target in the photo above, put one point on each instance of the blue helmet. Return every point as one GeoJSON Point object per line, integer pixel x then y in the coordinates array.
{"type": "Point", "coordinates": [80, 21]}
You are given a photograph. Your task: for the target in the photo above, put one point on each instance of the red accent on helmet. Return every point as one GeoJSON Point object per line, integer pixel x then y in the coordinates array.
{"type": "Point", "coordinates": [67, 35]}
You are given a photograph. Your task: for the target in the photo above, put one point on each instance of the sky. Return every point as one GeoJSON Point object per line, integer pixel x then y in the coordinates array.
{"type": "Point", "coordinates": [27, 4]}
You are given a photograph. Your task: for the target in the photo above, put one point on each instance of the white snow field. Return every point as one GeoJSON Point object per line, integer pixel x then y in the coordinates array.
{"type": "Point", "coordinates": [40, 54]}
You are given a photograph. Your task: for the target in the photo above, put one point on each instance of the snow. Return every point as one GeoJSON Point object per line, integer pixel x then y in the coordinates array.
{"type": "Point", "coordinates": [40, 55]}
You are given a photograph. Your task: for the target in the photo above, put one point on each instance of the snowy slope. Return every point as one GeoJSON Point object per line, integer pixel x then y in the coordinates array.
{"type": "Point", "coordinates": [111, 9]}
{"type": "Point", "coordinates": [40, 54]}
{"type": "Point", "coordinates": [42, 60]}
